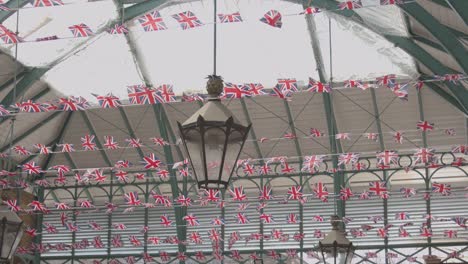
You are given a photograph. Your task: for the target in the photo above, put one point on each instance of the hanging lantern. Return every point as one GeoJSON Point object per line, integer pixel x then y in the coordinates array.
{"type": "Point", "coordinates": [213, 139]}
{"type": "Point", "coordinates": [335, 247]}
{"type": "Point", "coordinates": [11, 233]}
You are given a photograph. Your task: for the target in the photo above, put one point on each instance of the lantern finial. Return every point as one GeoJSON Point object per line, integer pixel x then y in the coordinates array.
{"type": "Point", "coordinates": [214, 86]}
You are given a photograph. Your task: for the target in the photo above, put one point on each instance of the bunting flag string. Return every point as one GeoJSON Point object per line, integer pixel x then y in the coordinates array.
{"type": "Point", "coordinates": [153, 21]}
{"type": "Point", "coordinates": [422, 158]}
{"type": "Point", "coordinates": [284, 89]}
{"type": "Point", "coordinates": [88, 142]}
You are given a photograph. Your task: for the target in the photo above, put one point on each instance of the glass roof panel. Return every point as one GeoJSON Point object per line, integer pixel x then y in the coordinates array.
{"type": "Point", "coordinates": [103, 67]}
{"type": "Point", "coordinates": [247, 52]}
{"type": "Point", "coordinates": [42, 22]}
{"type": "Point", "coordinates": [359, 53]}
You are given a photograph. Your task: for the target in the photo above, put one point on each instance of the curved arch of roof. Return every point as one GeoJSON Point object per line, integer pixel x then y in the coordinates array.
{"type": "Point", "coordinates": [446, 36]}
{"type": "Point", "coordinates": [457, 98]}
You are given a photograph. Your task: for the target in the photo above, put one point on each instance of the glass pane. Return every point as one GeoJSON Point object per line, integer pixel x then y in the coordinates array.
{"type": "Point", "coordinates": [43, 22]}
{"type": "Point", "coordinates": [232, 152]}
{"type": "Point", "coordinates": [195, 151]}
{"type": "Point", "coordinates": [214, 142]}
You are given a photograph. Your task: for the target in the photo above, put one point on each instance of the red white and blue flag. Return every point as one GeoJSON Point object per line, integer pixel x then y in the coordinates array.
{"type": "Point", "coordinates": [350, 5]}
{"type": "Point", "coordinates": [230, 18]}
{"type": "Point", "coordinates": [118, 29]}
{"type": "Point", "coordinates": [41, 3]}
{"type": "Point", "coordinates": [318, 87]}
{"type": "Point", "coordinates": [132, 199]}
{"type": "Point", "coordinates": [81, 30]}
{"type": "Point", "coordinates": [152, 21]}
{"type": "Point", "coordinates": [272, 18]}
{"type": "Point", "coordinates": [238, 194]}
{"type": "Point", "coordinates": [187, 20]}
{"type": "Point", "coordinates": [165, 91]}
{"type": "Point", "coordinates": [425, 126]}
{"type": "Point", "coordinates": [87, 142]}
{"type": "Point", "coordinates": [255, 89]}
{"type": "Point", "coordinates": [7, 36]}
{"type": "Point", "coordinates": [287, 86]}
{"type": "Point", "coordinates": [108, 101]}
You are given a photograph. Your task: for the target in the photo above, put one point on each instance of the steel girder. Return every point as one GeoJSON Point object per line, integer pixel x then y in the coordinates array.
{"type": "Point", "coordinates": [445, 36]}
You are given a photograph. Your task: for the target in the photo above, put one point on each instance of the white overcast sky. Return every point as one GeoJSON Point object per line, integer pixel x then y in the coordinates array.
{"type": "Point", "coordinates": [247, 52]}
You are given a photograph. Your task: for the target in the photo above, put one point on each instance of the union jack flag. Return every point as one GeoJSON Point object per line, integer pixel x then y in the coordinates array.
{"type": "Point", "coordinates": [295, 193]}
{"type": "Point", "coordinates": [87, 142]}
{"type": "Point", "coordinates": [460, 221]}
{"type": "Point", "coordinates": [454, 78]}
{"type": "Point", "coordinates": [321, 192]}
{"type": "Point", "coordinates": [86, 204]}
{"type": "Point", "coordinates": [70, 104]}
{"type": "Point", "coordinates": [118, 29]}
{"type": "Point", "coordinates": [387, 157]}
{"type": "Point", "coordinates": [463, 149]}
{"type": "Point", "coordinates": [134, 240]}
{"type": "Point", "coordinates": [217, 221]}
{"type": "Point", "coordinates": [291, 253]}
{"type": "Point", "coordinates": [342, 136]}
{"type": "Point", "coordinates": [265, 193]}
{"type": "Point", "coordinates": [255, 88]}
{"type": "Point", "coordinates": [81, 30]}
{"type": "Point", "coordinates": [151, 161]}
{"type": "Point", "coordinates": [133, 142]}
{"type": "Point", "coordinates": [212, 195]}
{"type": "Point", "coordinates": [272, 18]}
{"type": "Point", "coordinates": [66, 147]}
{"type": "Point", "coordinates": [345, 193]}
{"type": "Point", "coordinates": [107, 101]}
{"type": "Point", "coordinates": [386, 80]}
{"type": "Point", "coordinates": [450, 233]}
{"type": "Point", "coordinates": [398, 137]}
{"type": "Point", "coordinates": [372, 136]}
{"type": "Point", "coordinates": [350, 5]}
{"type": "Point", "coordinates": [442, 188]}
{"type": "Point", "coordinates": [400, 90]}
{"type": "Point", "coordinates": [30, 107]}
{"type": "Point", "coordinates": [152, 21]}
{"type": "Point", "coordinates": [236, 255]}
{"type": "Point", "coordinates": [424, 155]}
{"type": "Point", "coordinates": [132, 199]}
{"type": "Point", "coordinates": [242, 218]}
{"type": "Point", "coordinates": [310, 11]}
{"type": "Point", "coordinates": [159, 141]}
{"type": "Point", "coordinates": [347, 158]}
{"type": "Point", "coordinates": [122, 176]}
{"type": "Point", "coordinates": [230, 18]}
{"type": "Point", "coordinates": [235, 91]}
{"type": "Point", "coordinates": [426, 232]}
{"type": "Point", "coordinates": [214, 235]}
{"type": "Point", "coordinates": [248, 169]}
{"type": "Point", "coordinates": [165, 221]}
{"type": "Point", "coordinates": [31, 168]}
{"type": "Point", "coordinates": [72, 227]}
{"type": "Point", "coordinates": [378, 188]}
{"type": "Point", "coordinates": [403, 232]}
{"type": "Point", "coordinates": [450, 132]}
{"type": "Point", "coordinates": [312, 163]}
{"type": "Point", "coordinates": [352, 83]}
{"type": "Point", "coordinates": [12, 205]}
{"type": "Point", "coordinates": [237, 194]}
{"type": "Point", "coordinates": [187, 20]}
{"type": "Point", "coordinates": [318, 87]}
{"type": "Point", "coordinates": [184, 201]}
{"type": "Point", "coordinates": [41, 3]}
{"type": "Point", "coordinates": [425, 126]}
{"type": "Point", "coordinates": [165, 91]}
{"type": "Point", "coordinates": [315, 133]}
{"type": "Point", "coordinates": [7, 36]}
{"type": "Point", "coordinates": [408, 192]}
{"type": "Point", "coordinates": [4, 111]}
{"type": "Point", "coordinates": [401, 216]}
{"type": "Point", "coordinates": [278, 93]}
{"type": "Point", "coordinates": [266, 218]}
{"type": "Point", "coordinates": [287, 86]}
{"type": "Point", "coordinates": [110, 143]}
{"type": "Point", "coordinates": [20, 150]}
{"type": "Point", "coordinates": [32, 232]}
{"type": "Point", "coordinates": [391, 2]}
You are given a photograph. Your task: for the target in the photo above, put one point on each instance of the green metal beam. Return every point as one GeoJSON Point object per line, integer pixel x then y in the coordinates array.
{"type": "Point", "coordinates": [179, 212]}
{"type": "Point", "coordinates": [12, 80]}
{"type": "Point", "coordinates": [12, 4]}
{"type": "Point", "coordinates": [23, 85]}
{"type": "Point", "coordinates": [448, 97]}
{"type": "Point", "coordinates": [460, 7]}
{"type": "Point", "coordinates": [432, 64]}
{"type": "Point", "coordinates": [439, 31]}
{"type": "Point", "coordinates": [32, 129]}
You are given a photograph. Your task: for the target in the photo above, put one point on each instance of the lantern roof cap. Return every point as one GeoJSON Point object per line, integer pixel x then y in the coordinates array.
{"type": "Point", "coordinates": [9, 215]}
{"type": "Point", "coordinates": [212, 111]}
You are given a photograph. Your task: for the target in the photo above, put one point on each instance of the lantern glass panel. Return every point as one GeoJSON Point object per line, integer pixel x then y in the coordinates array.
{"type": "Point", "coordinates": [233, 149]}
{"type": "Point", "coordinates": [195, 149]}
